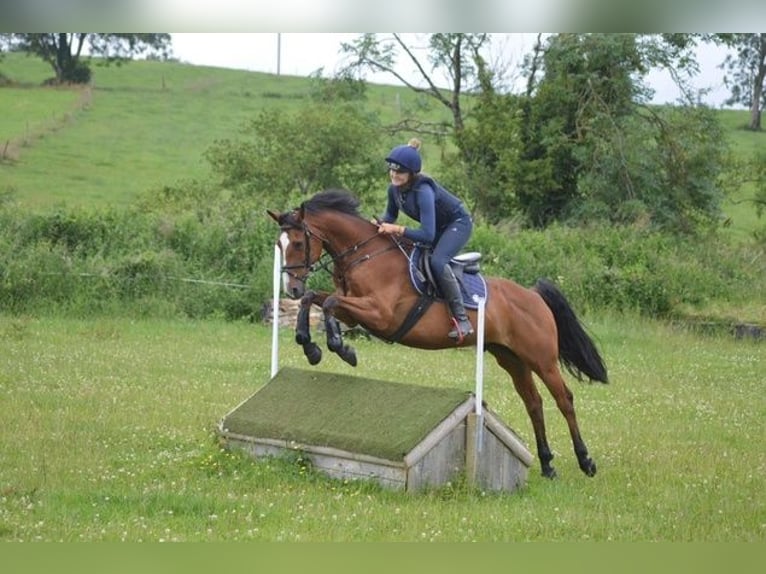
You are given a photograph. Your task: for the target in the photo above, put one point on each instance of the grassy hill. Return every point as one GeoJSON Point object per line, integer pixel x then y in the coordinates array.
{"type": "Point", "coordinates": [138, 126]}
{"type": "Point", "coordinates": [745, 142]}
{"type": "Point", "coordinates": [148, 123]}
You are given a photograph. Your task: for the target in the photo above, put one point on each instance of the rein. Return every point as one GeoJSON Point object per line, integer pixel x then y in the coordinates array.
{"type": "Point", "coordinates": [334, 258]}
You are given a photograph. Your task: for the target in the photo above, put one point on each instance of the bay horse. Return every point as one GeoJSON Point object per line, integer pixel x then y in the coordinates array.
{"type": "Point", "coordinates": [527, 330]}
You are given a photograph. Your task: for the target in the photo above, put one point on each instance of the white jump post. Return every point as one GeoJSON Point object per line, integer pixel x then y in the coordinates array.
{"type": "Point", "coordinates": [480, 356]}
{"type": "Point", "coordinates": [475, 420]}
{"type": "Point", "coordinates": [275, 311]}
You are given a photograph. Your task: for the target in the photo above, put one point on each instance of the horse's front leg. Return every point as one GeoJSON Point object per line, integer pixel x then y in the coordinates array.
{"type": "Point", "coordinates": [302, 330]}
{"type": "Point", "coordinates": [353, 311]}
{"type": "Point", "coordinates": [335, 340]}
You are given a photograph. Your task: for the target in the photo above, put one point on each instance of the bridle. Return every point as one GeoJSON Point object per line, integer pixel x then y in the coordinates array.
{"type": "Point", "coordinates": [328, 257]}
{"type": "Point", "coordinates": [307, 264]}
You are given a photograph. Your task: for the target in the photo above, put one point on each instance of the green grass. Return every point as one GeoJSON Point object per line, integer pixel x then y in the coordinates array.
{"type": "Point", "coordinates": [109, 434]}
{"type": "Point", "coordinates": [739, 208]}
{"type": "Point", "coordinates": [141, 126]}
{"type": "Point", "coordinates": [29, 113]}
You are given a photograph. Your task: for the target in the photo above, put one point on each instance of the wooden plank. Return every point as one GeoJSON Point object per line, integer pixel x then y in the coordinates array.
{"type": "Point", "coordinates": [508, 437]}
{"type": "Point", "coordinates": [323, 450]}
{"type": "Point", "coordinates": [472, 452]}
{"type": "Point", "coordinates": [348, 469]}
{"type": "Point", "coordinates": [440, 464]}
{"type": "Point", "coordinates": [439, 432]}
{"type": "Point", "coordinates": [499, 468]}
{"type": "Point", "coordinates": [333, 466]}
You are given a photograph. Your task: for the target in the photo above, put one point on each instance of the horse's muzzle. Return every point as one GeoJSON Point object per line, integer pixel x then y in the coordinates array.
{"type": "Point", "coordinates": [296, 291]}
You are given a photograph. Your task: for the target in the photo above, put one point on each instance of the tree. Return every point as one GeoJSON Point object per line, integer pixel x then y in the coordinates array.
{"type": "Point", "coordinates": [285, 155]}
{"type": "Point", "coordinates": [457, 56]}
{"type": "Point", "coordinates": [586, 85]}
{"type": "Point", "coordinates": [489, 146]}
{"type": "Point", "coordinates": [64, 50]}
{"type": "Point", "coordinates": [592, 148]}
{"type": "Point", "coordinates": [583, 142]}
{"type": "Point", "coordinates": [460, 59]}
{"type": "Point", "coordinates": [746, 73]}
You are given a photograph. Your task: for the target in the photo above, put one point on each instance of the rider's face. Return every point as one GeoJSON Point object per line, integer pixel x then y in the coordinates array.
{"type": "Point", "coordinates": [398, 178]}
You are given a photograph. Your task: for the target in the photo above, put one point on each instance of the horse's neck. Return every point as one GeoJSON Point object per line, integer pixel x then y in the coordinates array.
{"type": "Point", "coordinates": [343, 232]}
{"type": "Point", "coordinates": [353, 241]}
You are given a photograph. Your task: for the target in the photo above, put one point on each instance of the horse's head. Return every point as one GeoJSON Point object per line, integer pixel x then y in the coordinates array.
{"type": "Point", "coordinates": [329, 222]}
{"type": "Point", "coordinates": [300, 250]}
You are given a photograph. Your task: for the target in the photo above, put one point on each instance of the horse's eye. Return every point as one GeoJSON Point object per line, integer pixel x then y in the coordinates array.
{"type": "Point", "coordinates": [298, 245]}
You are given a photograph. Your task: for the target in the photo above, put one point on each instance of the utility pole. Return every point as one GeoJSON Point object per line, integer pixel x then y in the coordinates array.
{"type": "Point", "coordinates": [279, 52]}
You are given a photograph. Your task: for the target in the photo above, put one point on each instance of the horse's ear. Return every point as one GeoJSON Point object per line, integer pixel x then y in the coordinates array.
{"type": "Point", "coordinates": [274, 216]}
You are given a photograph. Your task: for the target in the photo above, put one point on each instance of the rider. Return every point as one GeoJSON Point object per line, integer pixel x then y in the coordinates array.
{"type": "Point", "coordinates": [445, 224]}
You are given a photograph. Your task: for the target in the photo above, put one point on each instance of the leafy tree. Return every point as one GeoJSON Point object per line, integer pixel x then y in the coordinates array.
{"type": "Point", "coordinates": [746, 73]}
{"type": "Point", "coordinates": [341, 87]}
{"type": "Point", "coordinates": [586, 80]}
{"type": "Point", "coordinates": [286, 155]}
{"type": "Point", "coordinates": [64, 50]}
{"type": "Point", "coordinates": [576, 144]}
{"type": "Point", "coordinates": [460, 59]}
{"type": "Point", "coordinates": [591, 148]}
{"type": "Point", "coordinates": [489, 148]}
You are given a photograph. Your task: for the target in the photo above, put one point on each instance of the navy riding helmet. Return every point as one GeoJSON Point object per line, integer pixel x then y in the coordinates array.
{"type": "Point", "coordinates": [406, 156]}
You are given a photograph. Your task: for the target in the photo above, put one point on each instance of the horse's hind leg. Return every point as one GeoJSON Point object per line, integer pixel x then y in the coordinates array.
{"type": "Point", "coordinates": [565, 402]}
{"type": "Point", "coordinates": [525, 387]}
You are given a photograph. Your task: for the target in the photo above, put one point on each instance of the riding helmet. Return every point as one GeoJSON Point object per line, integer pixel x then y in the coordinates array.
{"type": "Point", "coordinates": [406, 156]}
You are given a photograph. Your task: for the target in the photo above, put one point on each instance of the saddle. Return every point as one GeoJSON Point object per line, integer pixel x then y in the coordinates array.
{"type": "Point", "coordinates": [466, 268]}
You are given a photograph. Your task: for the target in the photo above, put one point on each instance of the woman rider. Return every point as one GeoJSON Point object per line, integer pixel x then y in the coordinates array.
{"type": "Point", "coordinates": [445, 225]}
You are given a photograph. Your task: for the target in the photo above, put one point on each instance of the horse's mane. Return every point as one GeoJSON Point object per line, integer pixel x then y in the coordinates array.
{"type": "Point", "coordinates": [334, 199]}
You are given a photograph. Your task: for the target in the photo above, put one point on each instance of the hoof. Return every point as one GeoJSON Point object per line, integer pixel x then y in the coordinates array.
{"type": "Point", "coordinates": [349, 355]}
{"type": "Point", "coordinates": [588, 467]}
{"type": "Point", "coordinates": [550, 473]}
{"type": "Point", "coordinates": [335, 344]}
{"type": "Point", "coordinates": [313, 353]}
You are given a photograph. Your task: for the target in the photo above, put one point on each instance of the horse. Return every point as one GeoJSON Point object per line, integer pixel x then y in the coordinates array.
{"type": "Point", "coordinates": [527, 330]}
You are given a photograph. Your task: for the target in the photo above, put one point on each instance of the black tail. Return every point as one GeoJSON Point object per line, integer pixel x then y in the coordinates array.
{"type": "Point", "coordinates": [577, 352]}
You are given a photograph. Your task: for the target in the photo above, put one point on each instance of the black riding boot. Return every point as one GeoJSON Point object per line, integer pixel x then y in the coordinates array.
{"type": "Point", "coordinates": [451, 291]}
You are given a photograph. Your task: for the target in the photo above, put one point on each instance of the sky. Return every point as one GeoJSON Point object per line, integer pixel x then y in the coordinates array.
{"type": "Point", "coordinates": [301, 54]}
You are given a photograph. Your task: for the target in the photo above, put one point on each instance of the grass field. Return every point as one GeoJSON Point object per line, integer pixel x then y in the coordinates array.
{"type": "Point", "coordinates": [740, 208]}
{"type": "Point", "coordinates": [109, 423]}
{"type": "Point", "coordinates": [141, 126]}
{"type": "Point", "coordinates": [108, 434]}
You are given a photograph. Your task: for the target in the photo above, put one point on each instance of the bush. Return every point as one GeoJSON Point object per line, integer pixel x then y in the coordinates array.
{"type": "Point", "coordinates": [218, 262]}
{"type": "Point", "coordinates": [79, 73]}
{"type": "Point", "coordinates": [624, 268]}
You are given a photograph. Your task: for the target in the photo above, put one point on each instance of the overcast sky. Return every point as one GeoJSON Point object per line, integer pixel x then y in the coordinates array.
{"type": "Point", "coordinates": [300, 54]}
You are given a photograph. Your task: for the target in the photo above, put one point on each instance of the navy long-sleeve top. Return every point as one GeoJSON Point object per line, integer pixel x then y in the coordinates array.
{"type": "Point", "coordinates": [426, 202]}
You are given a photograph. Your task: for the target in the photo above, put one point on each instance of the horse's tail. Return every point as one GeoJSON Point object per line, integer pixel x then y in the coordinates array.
{"type": "Point", "coordinates": [577, 352]}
